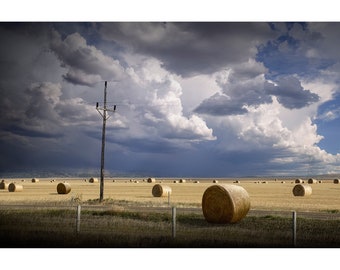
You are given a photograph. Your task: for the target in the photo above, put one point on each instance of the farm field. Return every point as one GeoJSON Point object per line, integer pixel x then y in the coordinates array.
{"type": "Point", "coordinates": [130, 216]}
{"type": "Point", "coordinates": [273, 194]}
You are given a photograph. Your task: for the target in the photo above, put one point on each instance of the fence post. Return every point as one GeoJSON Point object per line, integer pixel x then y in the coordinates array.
{"type": "Point", "coordinates": [173, 222]}
{"type": "Point", "coordinates": [78, 218]}
{"type": "Point", "coordinates": [294, 228]}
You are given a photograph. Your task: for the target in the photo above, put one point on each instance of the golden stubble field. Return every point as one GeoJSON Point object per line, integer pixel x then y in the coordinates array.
{"type": "Point", "coordinates": [264, 194]}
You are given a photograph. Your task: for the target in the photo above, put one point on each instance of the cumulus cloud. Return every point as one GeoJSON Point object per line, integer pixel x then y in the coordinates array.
{"type": "Point", "coordinates": [86, 64]}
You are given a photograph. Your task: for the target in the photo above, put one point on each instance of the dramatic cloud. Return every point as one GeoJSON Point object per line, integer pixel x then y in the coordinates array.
{"type": "Point", "coordinates": [191, 48]}
{"type": "Point", "coordinates": [194, 99]}
{"type": "Point", "coordinates": [86, 64]}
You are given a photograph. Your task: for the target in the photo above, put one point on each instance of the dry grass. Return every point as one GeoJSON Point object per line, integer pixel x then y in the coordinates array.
{"type": "Point", "coordinates": [273, 195]}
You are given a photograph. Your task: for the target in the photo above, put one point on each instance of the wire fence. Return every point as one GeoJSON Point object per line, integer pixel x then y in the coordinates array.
{"type": "Point", "coordinates": [103, 220]}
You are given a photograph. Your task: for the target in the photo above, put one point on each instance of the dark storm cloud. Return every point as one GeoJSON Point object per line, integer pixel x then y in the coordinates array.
{"type": "Point", "coordinates": [191, 48]}
{"type": "Point", "coordinates": [219, 105]}
{"type": "Point", "coordinates": [291, 94]}
{"type": "Point", "coordinates": [85, 63]}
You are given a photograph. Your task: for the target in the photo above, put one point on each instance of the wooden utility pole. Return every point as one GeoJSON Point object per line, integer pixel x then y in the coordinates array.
{"type": "Point", "coordinates": [102, 163]}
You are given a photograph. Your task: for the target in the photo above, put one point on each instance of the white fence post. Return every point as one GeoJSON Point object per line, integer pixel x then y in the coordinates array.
{"type": "Point", "coordinates": [294, 228]}
{"type": "Point", "coordinates": [173, 222]}
{"type": "Point", "coordinates": [78, 218]}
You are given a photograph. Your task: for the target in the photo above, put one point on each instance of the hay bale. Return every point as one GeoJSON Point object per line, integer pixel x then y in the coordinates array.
{"type": "Point", "coordinates": [3, 185]}
{"type": "Point", "coordinates": [161, 190]}
{"type": "Point", "coordinates": [225, 203]}
{"type": "Point", "coordinates": [215, 181]}
{"type": "Point", "coordinates": [302, 190]}
{"type": "Point", "coordinates": [35, 180]}
{"type": "Point", "coordinates": [196, 182]}
{"type": "Point", "coordinates": [176, 181]}
{"type": "Point", "coordinates": [12, 187]}
{"type": "Point", "coordinates": [151, 180]}
{"type": "Point", "coordinates": [312, 181]}
{"type": "Point", "coordinates": [93, 180]}
{"type": "Point", "coordinates": [63, 188]}
{"type": "Point", "coordinates": [182, 180]}
{"type": "Point", "coordinates": [298, 181]}
{"type": "Point", "coordinates": [336, 181]}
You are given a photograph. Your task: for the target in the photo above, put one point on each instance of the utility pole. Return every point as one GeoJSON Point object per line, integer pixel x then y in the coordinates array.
{"type": "Point", "coordinates": [105, 116]}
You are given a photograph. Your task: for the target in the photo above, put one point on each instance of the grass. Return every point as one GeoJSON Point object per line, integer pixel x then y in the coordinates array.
{"type": "Point", "coordinates": [115, 228]}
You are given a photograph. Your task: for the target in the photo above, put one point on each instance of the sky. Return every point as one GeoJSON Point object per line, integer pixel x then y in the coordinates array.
{"type": "Point", "coordinates": [193, 99]}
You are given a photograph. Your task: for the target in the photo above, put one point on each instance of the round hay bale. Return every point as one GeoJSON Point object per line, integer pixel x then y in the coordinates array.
{"type": "Point", "coordinates": [298, 181]}
{"type": "Point", "coordinates": [336, 181]}
{"type": "Point", "coordinates": [302, 190]}
{"type": "Point", "coordinates": [182, 180]}
{"type": "Point", "coordinates": [35, 180]}
{"type": "Point", "coordinates": [312, 181]}
{"type": "Point", "coordinates": [93, 180]}
{"type": "Point", "coordinates": [161, 190]}
{"type": "Point", "coordinates": [225, 203]}
{"type": "Point", "coordinates": [151, 180]}
{"type": "Point", "coordinates": [176, 181]}
{"type": "Point", "coordinates": [196, 182]}
{"type": "Point", "coordinates": [12, 187]}
{"type": "Point", "coordinates": [3, 185]}
{"type": "Point", "coordinates": [63, 188]}
{"type": "Point", "coordinates": [215, 181]}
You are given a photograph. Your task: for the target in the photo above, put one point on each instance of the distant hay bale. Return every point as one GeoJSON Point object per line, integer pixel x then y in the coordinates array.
{"type": "Point", "coordinates": [298, 181]}
{"type": "Point", "coordinates": [35, 180]}
{"type": "Point", "coordinates": [3, 185]}
{"type": "Point", "coordinates": [225, 203]}
{"type": "Point", "coordinates": [151, 180]}
{"type": "Point", "coordinates": [23, 180]}
{"type": "Point", "coordinates": [93, 180]}
{"type": "Point", "coordinates": [161, 190]}
{"type": "Point", "coordinates": [264, 182]}
{"type": "Point", "coordinates": [312, 181]}
{"type": "Point", "coordinates": [336, 181]}
{"type": "Point", "coordinates": [215, 181]}
{"type": "Point", "coordinates": [182, 180]}
{"type": "Point", "coordinates": [63, 188]}
{"type": "Point", "coordinates": [302, 190]}
{"type": "Point", "coordinates": [176, 181]}
{"type": "Point", "coordinates": [12, 187]}
{"type": "Point", "coordinates": [282, 182]}
{"type": "Point", "coordinates": [237, 182]}
{"type": "Point", "coordinates": [320, 181]}
{"type": "Point", "coordinates": [196, 182]}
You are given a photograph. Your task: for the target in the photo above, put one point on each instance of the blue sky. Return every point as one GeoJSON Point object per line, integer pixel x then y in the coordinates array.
{"type": "Point", "coordinates": [194, 99]}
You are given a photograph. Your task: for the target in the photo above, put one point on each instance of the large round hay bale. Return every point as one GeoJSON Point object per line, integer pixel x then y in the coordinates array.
{"type": "Point", "coordinates": [225, 203]}
{"type": "Point", "coordinates": [93, 180]}
{"type": "Point", "coordinates": [298, 181]}
{"type": "Point", "coordinates": [161, 190]}
{"type": "Point", "coordinates": [336, 181]}
{"type": "Point", "coordinates": [63, 188]}
{"type": "Point", "coordinates": [182, 180]}
{"type": "Point", "coordinates": [302, 190]}
{"type": "Point", "coordinates": [12, 187]}
{"type": "Point", "coordinates": [312, 181]}
{"type": "Point", "coordinates": [151, 180]}
{"type": "Point", "coordinates": [3, 185]}
{"type": "Point", "coordinates": [35, 180]}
